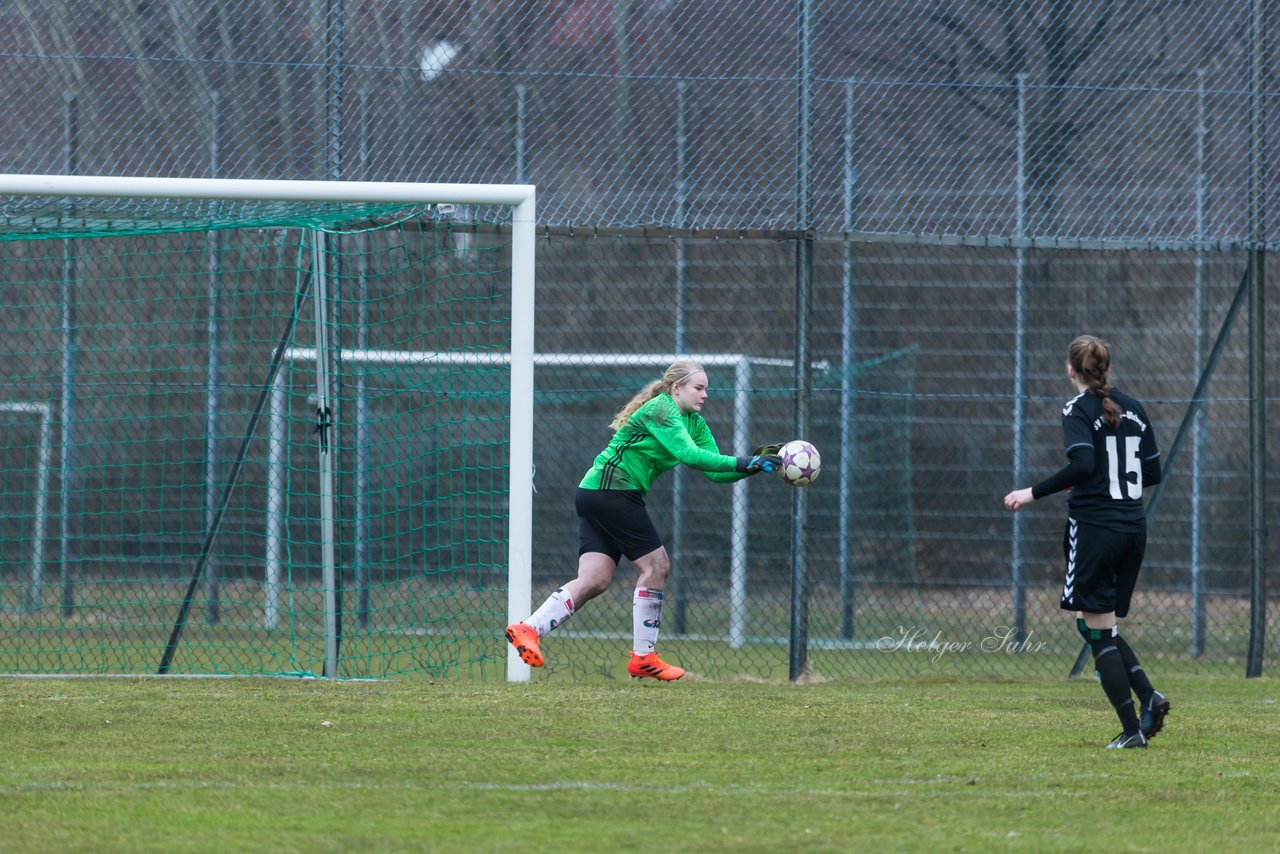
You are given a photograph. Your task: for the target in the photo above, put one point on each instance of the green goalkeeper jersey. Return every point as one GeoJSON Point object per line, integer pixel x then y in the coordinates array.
{"type": "Point", "coordinates": [656, 438]}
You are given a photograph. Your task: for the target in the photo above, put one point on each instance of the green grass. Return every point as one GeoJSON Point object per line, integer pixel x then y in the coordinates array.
{"type": "Point", "coordinates": [448, 631]}
{"type": "Point", "coordinates": [145, 764]}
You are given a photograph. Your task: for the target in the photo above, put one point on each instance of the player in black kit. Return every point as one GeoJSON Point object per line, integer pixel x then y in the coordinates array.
{"type": "Point", "coordinates": [1111, 455]}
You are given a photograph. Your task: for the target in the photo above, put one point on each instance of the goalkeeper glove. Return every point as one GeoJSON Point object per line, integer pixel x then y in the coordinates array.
{"type": "Point", "coordinates": [759, 462]}
{"type": "Point", "coordinates": [769, 449]}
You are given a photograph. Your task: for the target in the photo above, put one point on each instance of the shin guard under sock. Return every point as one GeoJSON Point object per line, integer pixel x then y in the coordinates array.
{"type": "Point", "coordinates": [1114, 679]}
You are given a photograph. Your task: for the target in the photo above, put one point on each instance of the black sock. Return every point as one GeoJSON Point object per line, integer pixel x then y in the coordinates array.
{"type": "Point", "coordinates": [1114, 679]}
{"type": "Point", "coordinates": [1083, 629]}
{"type": "Point", "coordinates": [1138, 680]}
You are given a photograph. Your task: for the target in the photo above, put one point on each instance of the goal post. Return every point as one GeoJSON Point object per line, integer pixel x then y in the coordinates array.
{"type": "Point", "coordinates": [32, 600]}
{"type": "Point", "coordinates": [78, 217]}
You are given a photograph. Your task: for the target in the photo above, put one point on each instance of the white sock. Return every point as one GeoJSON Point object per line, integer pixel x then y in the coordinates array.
{"type": "Point", "coordinates": [553, 612]}
{"type": "Point", "coordinates": [646, 618]}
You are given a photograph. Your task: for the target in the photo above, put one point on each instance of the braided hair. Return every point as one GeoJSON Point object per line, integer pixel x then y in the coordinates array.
{"type": "Point", "coordinates": [1091, 360]}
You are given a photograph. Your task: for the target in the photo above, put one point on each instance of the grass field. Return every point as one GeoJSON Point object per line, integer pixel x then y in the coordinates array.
{"type": "Point", "coordinates": [150, 764]}
{"type": "Point", "coordinates": [449, 632]}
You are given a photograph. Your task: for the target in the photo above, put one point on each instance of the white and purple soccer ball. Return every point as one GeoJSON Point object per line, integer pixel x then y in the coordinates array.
{"type": "Point", "coordinates": [801, 462]}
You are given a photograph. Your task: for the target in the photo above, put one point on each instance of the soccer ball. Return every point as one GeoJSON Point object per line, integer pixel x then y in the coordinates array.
{"type": "Point", "coordinates": [801, 462]}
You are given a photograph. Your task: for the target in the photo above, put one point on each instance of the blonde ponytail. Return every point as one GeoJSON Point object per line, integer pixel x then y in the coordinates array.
{"type": "Point", "coordinates": [675, 374]}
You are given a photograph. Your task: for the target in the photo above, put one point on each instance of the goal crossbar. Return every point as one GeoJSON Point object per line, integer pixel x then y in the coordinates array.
{"type": "Point", "coordinates": [518, 196]}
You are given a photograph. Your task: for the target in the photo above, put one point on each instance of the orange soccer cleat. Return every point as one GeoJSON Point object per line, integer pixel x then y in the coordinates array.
{"type": "Point", "coordinates": [653, 667]}
{"type": "Point", "coordinates": [525, 640]}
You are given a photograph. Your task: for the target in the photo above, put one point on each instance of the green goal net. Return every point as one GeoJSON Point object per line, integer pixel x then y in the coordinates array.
{"type": "Point", "coordinates": [259, 435]}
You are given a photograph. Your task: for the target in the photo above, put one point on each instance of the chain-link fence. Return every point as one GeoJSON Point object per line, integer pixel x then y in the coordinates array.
{"type": "Point", "coordinates": [918, 408]}
{"type": "Point", "coordinates": [979, 183]}
{"type": "Point", "coordinates": [1103, 118]}
{"type": "Point", "coordinates": [936, 373]}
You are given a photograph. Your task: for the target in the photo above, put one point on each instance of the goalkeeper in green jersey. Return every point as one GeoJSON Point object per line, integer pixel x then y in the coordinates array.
{"type": "Point", "coordinates": [658, 429]}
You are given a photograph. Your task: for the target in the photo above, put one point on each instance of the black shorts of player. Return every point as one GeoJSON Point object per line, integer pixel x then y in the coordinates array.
{"type": "Point", "coordinates": [1102, 568]}
{"type": "Point", "coordinates": [615, 522]}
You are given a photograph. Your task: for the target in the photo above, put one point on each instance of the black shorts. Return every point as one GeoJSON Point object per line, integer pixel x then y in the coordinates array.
{"type": "Point", "coordinates": [615, 522]}
{"type": "Point", "coordinates": [1102, 568]}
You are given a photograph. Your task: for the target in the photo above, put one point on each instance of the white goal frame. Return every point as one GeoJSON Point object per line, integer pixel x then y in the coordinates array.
{"type": "Point", "coordinates": [519, 197]}
{"type": "Point", "coordinates": [740, 363]}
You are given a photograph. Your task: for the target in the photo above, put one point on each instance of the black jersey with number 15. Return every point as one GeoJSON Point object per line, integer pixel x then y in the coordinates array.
{"type": "Point", "coordinates": [1112, 495]}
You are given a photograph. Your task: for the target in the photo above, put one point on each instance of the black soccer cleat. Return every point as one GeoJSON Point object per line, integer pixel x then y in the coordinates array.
{"type": "Point", "coordinates": [1124, 742]}
{"type": "Point", "coordinates": [1153, 712]}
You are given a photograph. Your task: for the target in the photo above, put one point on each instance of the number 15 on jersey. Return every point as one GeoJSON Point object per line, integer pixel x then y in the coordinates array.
{"type": "Point", "coordinates": [1130, 484]}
